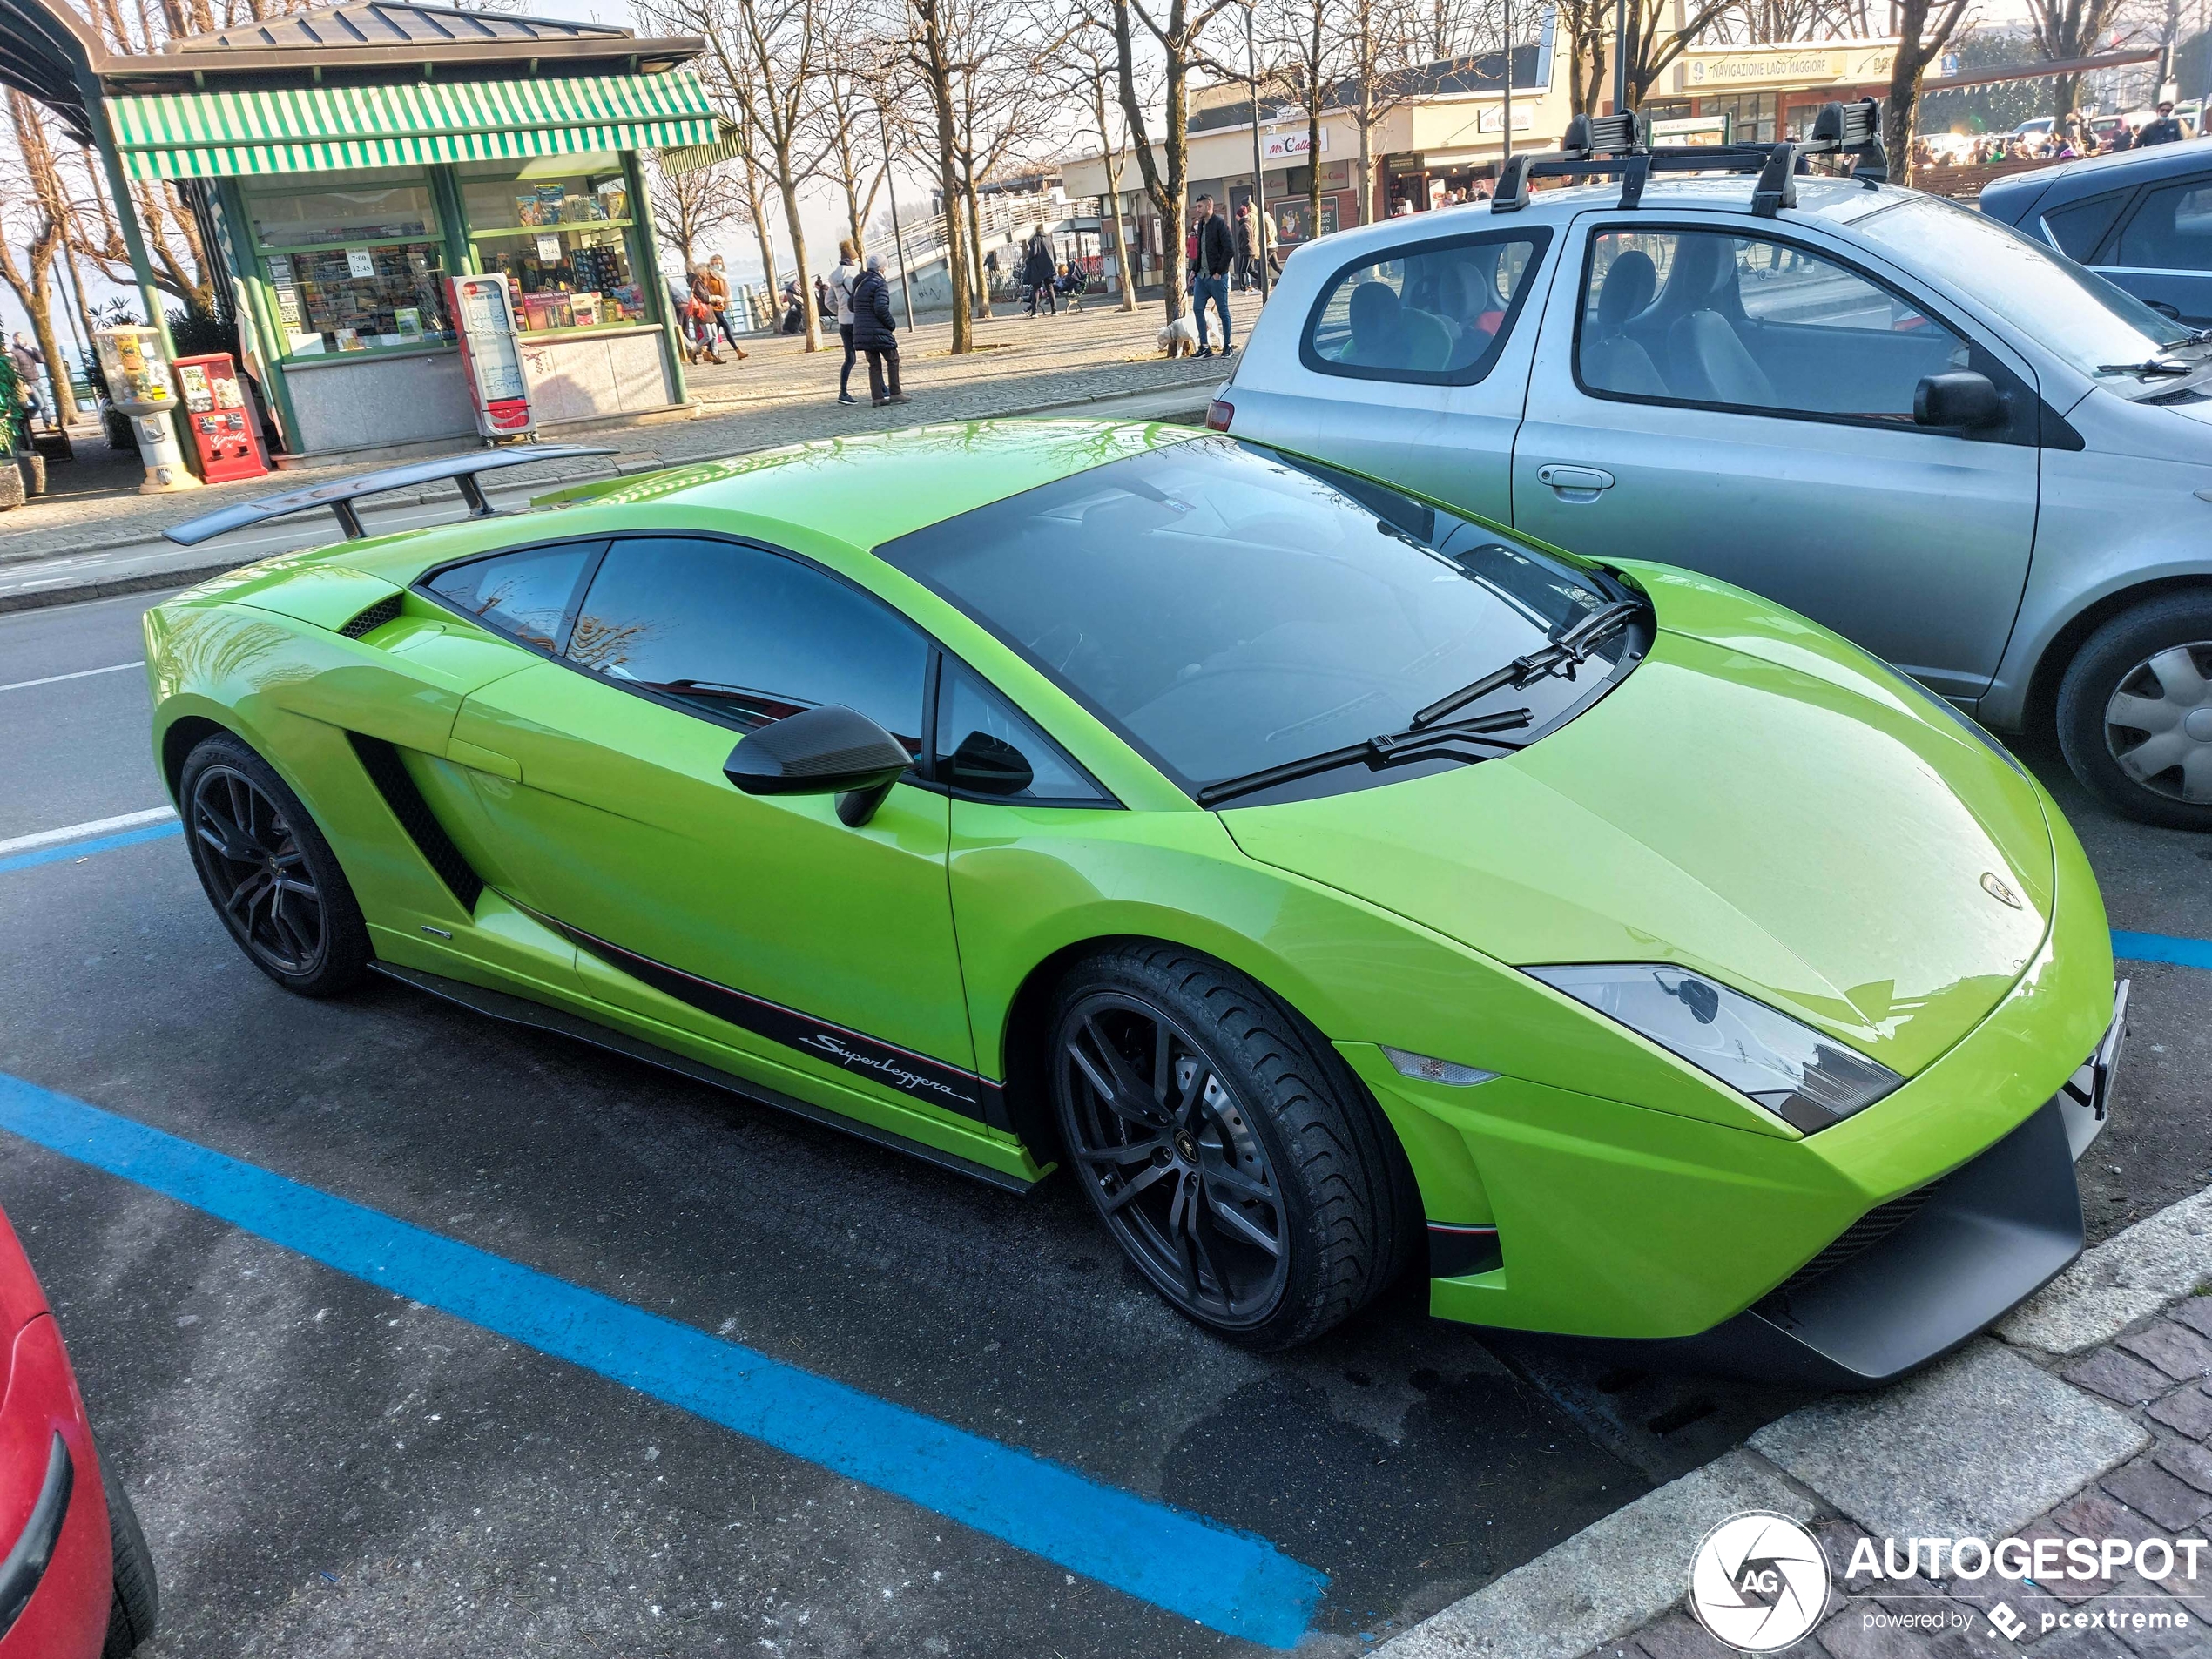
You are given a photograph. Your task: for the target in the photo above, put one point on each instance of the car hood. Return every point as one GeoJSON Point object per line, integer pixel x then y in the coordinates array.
{"type": "Point", "coordinates": [1758, 801]}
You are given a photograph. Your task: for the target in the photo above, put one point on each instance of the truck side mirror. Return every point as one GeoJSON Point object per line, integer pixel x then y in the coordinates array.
{"type": "Point", "coordinates": [1960, 399]}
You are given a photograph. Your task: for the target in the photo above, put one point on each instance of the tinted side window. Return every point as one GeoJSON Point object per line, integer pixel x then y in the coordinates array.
{"type": "Point", "coordinates": [746, 637]}
{"type": "Point", "coordinates": [526, 594]}
{"type": "Point", "coordinates": [1748, 323]}
{"type": "Point", "coordinates": [985, 748]}
{"type": "Point", "coordinates": [2172, 231]}
{"type": "Point", "coordinates": [1437, 313]}
{"type": "Point", "coordinates": [2078, 226]}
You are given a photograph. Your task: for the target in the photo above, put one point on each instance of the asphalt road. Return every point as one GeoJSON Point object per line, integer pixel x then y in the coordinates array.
{"type": "Point", "coordinates": [326, 1470]}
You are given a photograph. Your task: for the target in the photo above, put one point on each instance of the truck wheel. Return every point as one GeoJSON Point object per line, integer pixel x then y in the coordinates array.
{"type": "Point", "coordinates": [2135, 711]}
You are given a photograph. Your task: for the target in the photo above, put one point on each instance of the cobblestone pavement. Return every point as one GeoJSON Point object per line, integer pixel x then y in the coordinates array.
{"type": "Point", "coordinates": [2157, 1371]}
{"type": "Point", "coordinates": [782, 393]}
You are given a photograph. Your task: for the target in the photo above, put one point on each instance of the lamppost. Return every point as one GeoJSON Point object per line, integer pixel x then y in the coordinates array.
{"type": "Point", "coordinates": [1259, 174]}
{"type": "Point", "coordinates": [1620, 55]}
{"type": "Point", "coordinates": [1505, 137]}
{"type": "Point", "coordinates": [891, 188]}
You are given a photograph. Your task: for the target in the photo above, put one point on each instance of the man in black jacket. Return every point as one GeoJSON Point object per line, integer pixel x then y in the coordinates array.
{"type": "Point", "coordinates": [2165, 129]}
{"type": "Point", "coordinates": [876, 333]}
{"type": "Point", "coordinates": [1210, 273]}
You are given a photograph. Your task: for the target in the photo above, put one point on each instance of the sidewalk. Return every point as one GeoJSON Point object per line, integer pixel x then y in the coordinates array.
{"type": "Point", "coordinates": [781, 395]}
{"type": "Point", "coordinates": [2086, 1414]}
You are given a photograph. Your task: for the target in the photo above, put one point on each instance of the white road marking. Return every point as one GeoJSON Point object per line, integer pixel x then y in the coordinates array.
{"type": "Point", "coordinates": [82, 832]}
{"type": "Point", "coordinates": [81, 674]}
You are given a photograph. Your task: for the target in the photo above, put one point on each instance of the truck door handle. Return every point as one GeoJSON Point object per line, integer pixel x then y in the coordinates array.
{"type": "Point", "coordinates": [1575, 484]}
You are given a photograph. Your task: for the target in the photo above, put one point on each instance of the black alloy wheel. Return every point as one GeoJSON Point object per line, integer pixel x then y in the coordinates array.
{"type": "Point", "coordinates": [269, 872]}
{"type": "Point", "coordinates": [1172, 1161]}
{"type": "Point", "coordinates": [256, 872]}
{"type": "Point", "coordinates": [1240, 1165]}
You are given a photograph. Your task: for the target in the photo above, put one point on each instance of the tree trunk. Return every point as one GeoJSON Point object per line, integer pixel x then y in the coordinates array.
{"type": "Point", "coordinates": [1126, 280]}
{"type": "Point", "coordinates": [764, 236]}
{"type": "Point", "coordinates": [1900, 115]}
{"type": "Point", "coordinates": [977, 274]}
{"type": "Point", "coordinates": [1313, 69]}
{"type": "Point", "coordinates": [789, 191]}
{"type": "Point", "coordinates": [42, 327]}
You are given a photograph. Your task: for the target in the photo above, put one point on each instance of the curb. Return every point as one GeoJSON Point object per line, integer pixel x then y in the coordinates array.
{"type": "Point", "coordinates": [1978, 1445]}
{"type": "Point", "coordinates": [1193, 413]}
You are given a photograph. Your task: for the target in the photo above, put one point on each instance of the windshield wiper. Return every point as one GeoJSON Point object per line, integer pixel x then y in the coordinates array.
{"type": "Point", "coordinates": [2149, 367]}
{"type": "Point", "coordinates": [1461, 740]}
{"type": "Point", "coordinates": [1567, 650]}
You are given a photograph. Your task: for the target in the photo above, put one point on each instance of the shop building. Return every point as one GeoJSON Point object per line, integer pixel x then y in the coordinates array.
{"type": "Point", "coordinates": [343, 163]}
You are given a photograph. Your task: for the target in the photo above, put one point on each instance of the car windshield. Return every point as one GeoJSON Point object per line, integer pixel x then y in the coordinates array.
{"type": "Point", "coordinates": [1228, 609]}
{"type": "Point", "coordinates": [2095, 327]}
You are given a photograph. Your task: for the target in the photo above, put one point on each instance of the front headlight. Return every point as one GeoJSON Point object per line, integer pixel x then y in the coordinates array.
{"type": "Point", "coordinates": [1801, 1077]}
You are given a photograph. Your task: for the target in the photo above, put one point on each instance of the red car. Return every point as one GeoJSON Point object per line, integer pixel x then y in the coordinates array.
{"type": "Point", "coordinates": [75, 1580]}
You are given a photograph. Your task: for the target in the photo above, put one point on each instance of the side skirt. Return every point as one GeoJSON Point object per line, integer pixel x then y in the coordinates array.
{"type": "Point", "coordinates": [517, 1010]}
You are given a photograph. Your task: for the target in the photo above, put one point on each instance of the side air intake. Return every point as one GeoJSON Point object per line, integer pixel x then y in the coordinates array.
{"type": "Point", "coordinates": [388, 772]}
{"type": "Point", "coordinates": [372, 618]}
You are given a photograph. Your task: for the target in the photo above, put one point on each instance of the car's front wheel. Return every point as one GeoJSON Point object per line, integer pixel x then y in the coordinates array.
{"type": "Point", "coordinates": [269, 872]}
{"type": "Point", "coordinates": [2135, 710]}
{"type": "Point", "coordinates": [1228, 1151]}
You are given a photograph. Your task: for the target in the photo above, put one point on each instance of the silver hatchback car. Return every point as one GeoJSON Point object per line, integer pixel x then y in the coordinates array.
{"type": "Point", "coordinates": [1895, 415]}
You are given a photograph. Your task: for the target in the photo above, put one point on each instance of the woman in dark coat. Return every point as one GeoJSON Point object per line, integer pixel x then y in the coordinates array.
{"type": "Point", "coordinates": [1037, 272]}
{"type": "Point", "coordinates": [876, 335]}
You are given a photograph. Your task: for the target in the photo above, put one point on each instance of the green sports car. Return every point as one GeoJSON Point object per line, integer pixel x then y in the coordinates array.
{"type": "Point", "coordinates": [1338, 885]}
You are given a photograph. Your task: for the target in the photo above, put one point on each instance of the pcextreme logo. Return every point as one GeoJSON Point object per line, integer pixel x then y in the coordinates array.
{"type": "Point", "coordinates": [1758, 1583]}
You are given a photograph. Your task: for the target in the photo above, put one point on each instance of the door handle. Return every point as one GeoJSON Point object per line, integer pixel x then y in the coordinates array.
{"type": "Point", "coordinates": [1575, 484]}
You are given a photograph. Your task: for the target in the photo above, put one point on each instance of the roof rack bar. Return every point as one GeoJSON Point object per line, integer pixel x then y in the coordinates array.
{"type": "Point", "coordinates": [339, 495]}
{"type": "Point", "coordinates": [1613, 145]}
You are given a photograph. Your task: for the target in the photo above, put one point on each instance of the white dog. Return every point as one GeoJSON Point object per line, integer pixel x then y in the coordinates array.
{"type": "Point", "coordinates": [1179, 338]}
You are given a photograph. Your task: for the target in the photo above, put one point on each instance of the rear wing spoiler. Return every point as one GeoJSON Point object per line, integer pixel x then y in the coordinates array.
{"type": "Point", "coordinates": [340, 497]}
{"type": "Point", "coordinates": [1614, 146]}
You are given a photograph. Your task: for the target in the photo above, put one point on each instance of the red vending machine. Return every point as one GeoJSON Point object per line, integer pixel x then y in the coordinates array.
{"type": "Point", "coordinates": [221, 418]}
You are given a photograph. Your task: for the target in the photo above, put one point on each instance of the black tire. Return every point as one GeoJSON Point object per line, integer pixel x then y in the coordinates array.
{"type": "Point", "coordinates": [269, 872]}
{"type": "Point", "coordinates": [137, 1606]}
{"type": "Point", "coordinates": [1231, 1152]}
{"type": "Point", "coordinates": [2153, 662]}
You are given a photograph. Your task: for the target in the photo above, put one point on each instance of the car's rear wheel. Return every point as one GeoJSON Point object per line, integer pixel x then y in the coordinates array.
{"type": "Point", "coordinates": [269, 872]}
{"type": "Point", "coordinates": [1228, 1151]}
{"type": "Point", "coordinates": [2135, 711]}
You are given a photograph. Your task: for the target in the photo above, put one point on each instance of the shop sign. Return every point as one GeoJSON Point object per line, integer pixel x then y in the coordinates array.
{"type": "Point", "coordinates": [1288, 145]}
{"type": "Point", "coordinates": [358, 263]}
{"type": "Point", "coordinates": [1493, 118]}
{"type": "Point", "coordinates": [1811, 63]}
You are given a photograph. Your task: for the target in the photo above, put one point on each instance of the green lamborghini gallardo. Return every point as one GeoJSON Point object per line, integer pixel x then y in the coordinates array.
{"type": "Point", "coordinates": [1336, 885]}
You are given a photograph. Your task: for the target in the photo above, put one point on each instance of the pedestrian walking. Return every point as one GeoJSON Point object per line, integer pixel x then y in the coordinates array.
{"type": "Point", "coordinates": [876, 335]}
{"type": "Point", "coordinates": [2122, 136]}
{"type": "Point", "coordinates": [718, 291]}
{"type": "Point", "coordinates": [699, 309]}
{"type": "Point", "coordinates": [1037, 271]}
{"type": "Point", "coordinates": [28, 359]}
{"type": "Point", "coordinates": [841, 283]}
{"type": "Point", "coordinates": [1268, 235]}
{"type": "Point", "coordinates": [1215, 258]}
{"type": "Point", "coordinates": [1247, 273]}
{"type": "Point", "coordinates": [2165, 129]}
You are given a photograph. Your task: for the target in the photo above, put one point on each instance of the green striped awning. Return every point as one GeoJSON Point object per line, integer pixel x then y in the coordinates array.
{"type": "Point", "coordinates": [315, 129]}
{"type": "Point", "coordinates": [729, 145]}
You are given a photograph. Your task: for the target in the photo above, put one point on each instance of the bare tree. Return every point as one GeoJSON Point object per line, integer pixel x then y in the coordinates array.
{"type": "Point", "coordinates": [853, 93]}
{"type": "Point", "coordinates": [37, 210]}
{"type": "Point", "coordinates": [1167, 177]}
{"type": "Point", "coordinates": [689, 207]}
{"type": "Point", "coordinates": [997, 94]}
{"type": "Point", "coordinates": [1652, 48]}
{"type": "Point", "coordinates": [929, 49]}
{"type": "Point", "coordinates": [2060, 29]}
{"type": "Point", "coordinates": [774, 72]}
{"type": "Point", "coordinates": [1924, 28]}
{"type": "Point", "coordinates": [1377, 51]}
{"type": "Point", "coordinates": [1079, 63]}
{"type": "Point", "coordinates": [1303, 52]}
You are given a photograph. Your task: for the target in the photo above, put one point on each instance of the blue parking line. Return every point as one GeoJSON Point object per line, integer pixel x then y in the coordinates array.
{"type": "Point", "coordinates": [80, 849]}
{"type": "Point", "coordinates": [2163, 947]}
{"type": "Point", "coordinates": [1231, 1582]}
